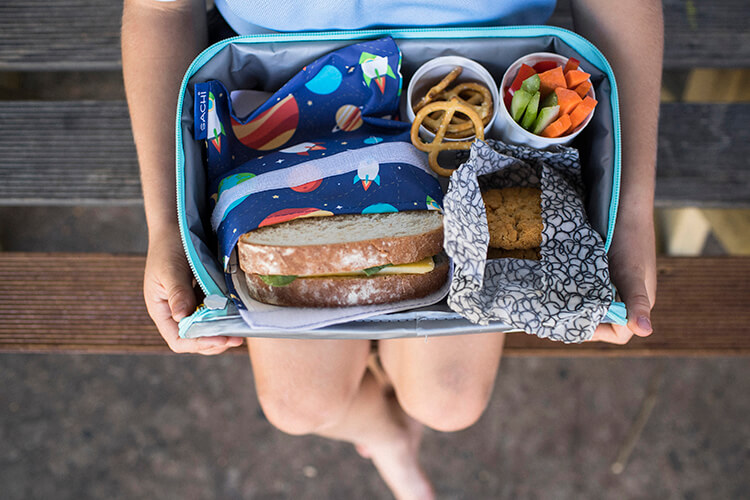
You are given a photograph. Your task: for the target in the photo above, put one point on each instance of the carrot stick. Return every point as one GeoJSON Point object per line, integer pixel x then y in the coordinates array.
{"type": "Point", "coordinates": [575, 77]}
{"type": "Point", "coordinates": [551, 80]}
{"type": "Point", "coordinates": [567, 99]}
{"type": "Point", "coordinates": [583, 89]}
{"type": "Point", "coordinates": [581, 112]}
{"type": "Point", "coordinates": [557, 127]}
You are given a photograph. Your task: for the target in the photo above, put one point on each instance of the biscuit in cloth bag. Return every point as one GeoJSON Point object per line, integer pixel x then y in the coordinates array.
{"type": "Point", "coordinates": [562, 296]}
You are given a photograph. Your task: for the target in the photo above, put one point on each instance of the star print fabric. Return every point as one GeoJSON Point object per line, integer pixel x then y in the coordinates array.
{"type": "Point", "coordinates": [327, 142]}
{"type": "Point", "coordinates": [564, 295]}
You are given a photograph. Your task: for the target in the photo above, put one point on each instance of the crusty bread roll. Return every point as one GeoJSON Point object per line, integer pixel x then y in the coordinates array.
{"type": "Point", "coordinates": [283, 263]}
{"type": "Point", "coordinates": [339, 243]}
{"type": "Point", "coordinates": [343, 291]}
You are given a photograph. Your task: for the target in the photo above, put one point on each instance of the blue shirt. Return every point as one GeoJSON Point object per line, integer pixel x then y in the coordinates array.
{"type": "Point", "coordinates": [262, 16]}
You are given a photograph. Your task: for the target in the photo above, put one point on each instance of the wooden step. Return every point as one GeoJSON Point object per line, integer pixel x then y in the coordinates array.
{"type": "Point", "coordinates": [697, 33]}
{"type": "Point", "coordinates": [706, 34]}
{"type": "Point", "coordinates": [67, 153]}
{"type": "Point", "coordinates": [82, 152]}
{"type": "Point", "coordinates": [703, 155]}
{"type": "Point", "coordinates": [76, 35]}
{"type": "Point", "coordinates": [93, 303]}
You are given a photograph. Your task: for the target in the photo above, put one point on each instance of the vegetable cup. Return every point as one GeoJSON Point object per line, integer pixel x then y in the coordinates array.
{"type": "Point", "coordinates": [545, 110]}
{"type": "Point", "coordinates": [432, 72]}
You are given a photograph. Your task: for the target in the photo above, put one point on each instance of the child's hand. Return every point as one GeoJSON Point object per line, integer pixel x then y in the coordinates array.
{"type": "Point", "coordinates": [168, 290]}
{"type": "Point", "coordinates": [632, 264]}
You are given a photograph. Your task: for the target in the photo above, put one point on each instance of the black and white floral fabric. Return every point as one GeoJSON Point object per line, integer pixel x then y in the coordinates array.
{"type": "Point", "coordinates": [564, 295]}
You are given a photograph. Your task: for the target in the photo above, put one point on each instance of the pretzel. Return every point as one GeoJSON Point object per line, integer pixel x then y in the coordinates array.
{"type": "Point", "coordinates": [437, 145]}
{"type": "Point", "coordinates": [479, 98]}
{"type": "Point", "coordinates": [437, 89]}
{"type": "Point", "coordinates": [480, 95]}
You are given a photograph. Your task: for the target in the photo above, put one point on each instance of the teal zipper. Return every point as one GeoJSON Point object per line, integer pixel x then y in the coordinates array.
{"type": "Point", "coordinates": [585, 48]}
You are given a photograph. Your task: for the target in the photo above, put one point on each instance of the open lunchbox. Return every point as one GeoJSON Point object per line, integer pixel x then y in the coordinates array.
{"type": "Point", "coordinates": [266, 62]}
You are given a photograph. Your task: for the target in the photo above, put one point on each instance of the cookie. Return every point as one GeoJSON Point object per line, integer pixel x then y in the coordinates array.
{"type": "Point", "coordinates": [514, 216]}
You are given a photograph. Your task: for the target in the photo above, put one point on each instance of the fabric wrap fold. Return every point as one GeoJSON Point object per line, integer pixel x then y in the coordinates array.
{"type": "Point", "coordinates": [564, 295]}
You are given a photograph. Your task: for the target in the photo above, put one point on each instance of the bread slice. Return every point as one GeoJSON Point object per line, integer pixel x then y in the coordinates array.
{"type": "Point", "coordinates": [342, 291]}
{"type": "Point", "coordinates": [341, 243]}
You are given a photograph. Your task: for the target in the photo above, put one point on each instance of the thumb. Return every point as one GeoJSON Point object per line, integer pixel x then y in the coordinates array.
{"type": "Point", "coordinates": [181, 297]}
{"type": "Point", "coordinates": [638, 305]}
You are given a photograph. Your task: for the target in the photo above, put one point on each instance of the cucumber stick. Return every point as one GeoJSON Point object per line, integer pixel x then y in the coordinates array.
{"type": "Point", "coordinates": [518, 104]}
{"type": "Point", "coordinates": [529, 116]}
{"type": "Point", "coordinates": [546, 116]}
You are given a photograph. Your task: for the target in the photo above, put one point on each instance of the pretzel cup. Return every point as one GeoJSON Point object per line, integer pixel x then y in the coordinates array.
{"type": "Point", "coordinates": [449, 108]}
{"type": "Point", "coordinates": [437, 89]}
{"type": "Point", "coordinates": [477, 96]}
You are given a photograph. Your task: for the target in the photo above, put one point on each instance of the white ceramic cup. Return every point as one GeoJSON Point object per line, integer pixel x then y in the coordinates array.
{"type": "Point", "coordinates": [508, 130]}
{"type": "Point", "coordinates": [430, 73]}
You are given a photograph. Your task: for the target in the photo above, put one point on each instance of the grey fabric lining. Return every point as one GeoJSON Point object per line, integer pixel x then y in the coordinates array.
{"type": "Point", "coordinates": [267, 66]}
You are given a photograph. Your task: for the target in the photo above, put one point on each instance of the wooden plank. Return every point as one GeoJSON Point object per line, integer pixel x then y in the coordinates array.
{"type": "Point", "coordinates": [703, 155]}
{"type": "Point", "coordinates": [705, 33]}
{"type": "Point", "coordinates": [82, 152]}
{"type": "Point", "coordinates": [41, 35]}
{"type": "Point", "coordinates": [93, 303]}
{"type": "Point", "coordinates": [67, 153]}
{"type": "Point", "coordinates": [697, 33]}
{"type": "Point", "coordinates": [75, 35]}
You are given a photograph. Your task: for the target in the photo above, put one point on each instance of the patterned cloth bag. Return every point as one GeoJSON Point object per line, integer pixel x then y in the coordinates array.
{"type": "Point", "coordinates": [562, 296]}
{"type": "Point", "coordinates": [327, 142]}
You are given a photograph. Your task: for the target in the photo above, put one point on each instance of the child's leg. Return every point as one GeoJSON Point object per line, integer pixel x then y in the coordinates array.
{"type": "Point", "coordinates": [443, 382]}
{"type": "Point", "coordinates": [321, 387]}
{"type": "Point", "coordinates": [307, 385]}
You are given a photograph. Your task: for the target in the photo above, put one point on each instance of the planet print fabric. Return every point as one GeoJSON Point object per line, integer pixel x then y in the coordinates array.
{"type": "Point", "coordinates": [564, 295]}
{"type": "Point", "coordinates": [328, 142]}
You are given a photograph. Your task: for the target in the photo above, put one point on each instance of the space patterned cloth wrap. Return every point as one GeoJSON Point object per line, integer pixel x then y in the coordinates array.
{"type": "Point", "coordinates": [328, 142]}
{"type": "Point", "coordinates": [564, 295]}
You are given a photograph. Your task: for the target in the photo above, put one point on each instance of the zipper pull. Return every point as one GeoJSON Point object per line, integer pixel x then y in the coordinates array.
{"type": "Point", "coordinates": [213, 307]}
{"type": "Point", "coordinates": [214, 302]}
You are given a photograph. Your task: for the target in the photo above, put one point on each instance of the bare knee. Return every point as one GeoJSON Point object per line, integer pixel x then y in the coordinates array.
{"type": "Point", "coordinates": [454, 400]}
{"type": "Point", "coordinates": [304, 410]}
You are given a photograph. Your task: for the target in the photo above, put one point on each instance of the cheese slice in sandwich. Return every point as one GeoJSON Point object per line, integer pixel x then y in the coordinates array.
{"type": "Point", "coordinates": [345, 260]}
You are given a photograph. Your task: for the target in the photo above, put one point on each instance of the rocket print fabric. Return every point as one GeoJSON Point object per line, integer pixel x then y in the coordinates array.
{"type": "Point", "coordinates": [328, 142]}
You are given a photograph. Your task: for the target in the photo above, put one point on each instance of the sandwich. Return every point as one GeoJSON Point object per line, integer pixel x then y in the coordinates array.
{"type": "Point", "coordinates": [345, 260]}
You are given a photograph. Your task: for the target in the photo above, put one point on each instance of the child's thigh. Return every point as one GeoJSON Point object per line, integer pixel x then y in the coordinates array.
{"type": "Point", "coordinates": [303, 384]}
{"type": "Point", "coordinates": [445, 382]}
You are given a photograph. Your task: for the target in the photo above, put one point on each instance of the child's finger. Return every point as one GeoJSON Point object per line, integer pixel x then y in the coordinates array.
{"type": "Point", "coordinates": [217, 345]}
{"type": "Point", "coordinates": [210, 342]}
{"type": "Point", "coordinates": [639, 310]}
{"type": "Point", "coordinates": [614, 334]}
{"type": "Point", "coordinates": [235, 341]}
{"type": "Point", "coordinates": [161, 313]}
{"type": "Point", "coordinates": [182, 300]}
{"type": "Point", "coordinates": [204, 345]}
{"type": "Point", "coordinates": [604, 333]}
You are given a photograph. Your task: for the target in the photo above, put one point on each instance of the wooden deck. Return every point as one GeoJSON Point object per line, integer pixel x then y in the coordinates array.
{"type": "Point", "coordinates": [94, 303]}
{"type": "Point", "coordinates": [78, 35]}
